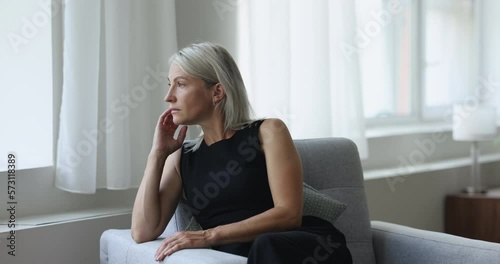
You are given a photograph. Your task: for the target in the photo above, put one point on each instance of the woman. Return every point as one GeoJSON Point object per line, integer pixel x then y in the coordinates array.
{"type": "Point", "coordinates": [242, 178]}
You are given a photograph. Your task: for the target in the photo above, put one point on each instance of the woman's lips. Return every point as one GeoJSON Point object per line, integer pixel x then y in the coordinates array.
{"type": "Point", "coordinates": [174, 110]}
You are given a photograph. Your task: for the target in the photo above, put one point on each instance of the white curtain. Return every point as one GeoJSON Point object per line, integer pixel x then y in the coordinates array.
{"type": "Point", "coordinates": [490, 61]}
{"type": "Point", "coordinates": [295, 67]}
{"type": "Point", "coordinates": [114, 80]}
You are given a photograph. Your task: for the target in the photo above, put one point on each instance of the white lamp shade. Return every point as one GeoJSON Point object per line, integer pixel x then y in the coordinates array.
{"type": "Point", "coordinates": [474, 123]}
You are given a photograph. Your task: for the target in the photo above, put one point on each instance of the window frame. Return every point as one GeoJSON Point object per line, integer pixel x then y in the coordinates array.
{"type": "Point", "coordinates": [419, 114]}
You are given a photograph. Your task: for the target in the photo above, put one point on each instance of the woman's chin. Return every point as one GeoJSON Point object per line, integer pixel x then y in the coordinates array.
{"type": "Point", "coordinates": [179, 121]}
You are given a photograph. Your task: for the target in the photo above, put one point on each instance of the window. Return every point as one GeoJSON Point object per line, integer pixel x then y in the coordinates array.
{"type": "Point", "coordinates": [26, 83]}
{"type": "Point", "coordinates": [448, 53]}
{"type": "Point", "coordinates": [416, 57]}
{"type": "Point", "coordinates": [385, 58]}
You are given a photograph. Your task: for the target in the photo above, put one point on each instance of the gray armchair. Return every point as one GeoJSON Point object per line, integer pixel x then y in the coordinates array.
{"type": "Point", "coordinates": [331, 165]}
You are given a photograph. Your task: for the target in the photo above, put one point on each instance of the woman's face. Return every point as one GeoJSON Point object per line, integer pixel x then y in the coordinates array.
{"type": "Point", "coordinates": [189, 97]}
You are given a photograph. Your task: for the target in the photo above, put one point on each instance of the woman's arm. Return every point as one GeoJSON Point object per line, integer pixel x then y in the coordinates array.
{"type": "Point", "coordinates": [284, 170]}
{"type": "Point", "coordinates": [156, 198]}
{"type": "Point", "coordinates": [161, 185]}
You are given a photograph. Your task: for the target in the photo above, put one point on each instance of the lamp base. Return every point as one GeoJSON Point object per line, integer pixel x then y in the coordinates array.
{"type": "Point", "coordinates": [471, 190]}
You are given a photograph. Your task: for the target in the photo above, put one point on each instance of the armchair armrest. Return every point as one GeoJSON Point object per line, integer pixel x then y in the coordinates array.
{"type": "Point", "coordinates": [117, 247]}
{"type": "Point", "coordinates": [400, 244]}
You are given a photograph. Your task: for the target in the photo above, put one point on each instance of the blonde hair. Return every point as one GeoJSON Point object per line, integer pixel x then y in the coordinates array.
{"type": "Point", "coordinates": [213, 64]}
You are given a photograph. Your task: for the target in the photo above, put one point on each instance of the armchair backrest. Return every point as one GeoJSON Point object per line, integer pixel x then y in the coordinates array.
{"type": "Point", "coordinates": [332, 166]}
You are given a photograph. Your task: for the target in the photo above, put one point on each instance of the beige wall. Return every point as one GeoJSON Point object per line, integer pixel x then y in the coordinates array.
{"type": "Point", "coordinates": [72, 242]}
{"type": "Point", "coordinates": [419, 200]}
{"type": "Point", "coordinates": [202, 20]}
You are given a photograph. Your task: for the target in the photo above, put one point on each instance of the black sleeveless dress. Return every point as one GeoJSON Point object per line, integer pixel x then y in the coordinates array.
{"type": "Point", "coordinates": [227, 182]}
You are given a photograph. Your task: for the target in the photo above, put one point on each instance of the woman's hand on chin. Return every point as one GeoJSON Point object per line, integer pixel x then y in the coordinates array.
{"type": "Point", "coordinates": [163, 140]}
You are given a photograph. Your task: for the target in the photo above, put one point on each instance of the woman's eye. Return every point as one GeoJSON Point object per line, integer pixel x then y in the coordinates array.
{"type": "Point", "coordinates": [180, 84]}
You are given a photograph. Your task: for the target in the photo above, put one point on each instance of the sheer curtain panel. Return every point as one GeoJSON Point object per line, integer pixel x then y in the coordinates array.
{"type": "Point", "coordinates": [300, 64]}
{"type": "Point", "coordinates": [114, 79]}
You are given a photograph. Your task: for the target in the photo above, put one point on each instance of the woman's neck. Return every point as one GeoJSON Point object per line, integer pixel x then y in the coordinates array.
{"type": "Point", "coordinates": [214, 132]}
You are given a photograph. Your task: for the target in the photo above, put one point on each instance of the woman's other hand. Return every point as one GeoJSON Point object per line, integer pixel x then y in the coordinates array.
{"type": "Point", "coordinates": [181, 240]}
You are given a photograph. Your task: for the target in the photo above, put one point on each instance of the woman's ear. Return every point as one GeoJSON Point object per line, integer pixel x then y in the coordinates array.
{"type": "Point", "coordinates": [218, 93]}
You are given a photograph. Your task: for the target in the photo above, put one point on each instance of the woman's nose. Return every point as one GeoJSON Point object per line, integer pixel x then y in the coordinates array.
{"type": "Point", "coordinates": [170, 98]}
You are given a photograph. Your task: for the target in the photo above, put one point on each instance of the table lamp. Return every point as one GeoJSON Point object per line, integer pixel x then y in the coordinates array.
{"type": "Point", "coordinates": [474, 124]}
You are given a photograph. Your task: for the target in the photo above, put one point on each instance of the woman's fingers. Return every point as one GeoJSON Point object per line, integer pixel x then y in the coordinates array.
{"type": "Point", "coordinates": [165, 246]}
{"type": "Point", "coordinates": [165, 122]}
{"type": "Point", "coordinates": [160, 249]}
{"type": "Point", "coordinates": [168, 118]}
{"type": "Point", "coordinates": [169, 250]}
{"type": "Point", "coordinates": [164, 115]}
{"type": "Point", "coordinates": [178, 241]}
{"type": "Point", "coordinates": [182, 134]}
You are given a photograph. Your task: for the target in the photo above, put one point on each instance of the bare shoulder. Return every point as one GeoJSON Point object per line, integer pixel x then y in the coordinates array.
{"type": "Point", "coordinates": [273, 131]}
{"type": "Point", "coordinates": [272, 127]}
{"type": "Point", "coordinates": [282, 158]}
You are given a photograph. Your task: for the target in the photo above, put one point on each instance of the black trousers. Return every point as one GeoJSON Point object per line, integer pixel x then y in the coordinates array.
{"type": "Point", "coordinates": [316, 241]}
